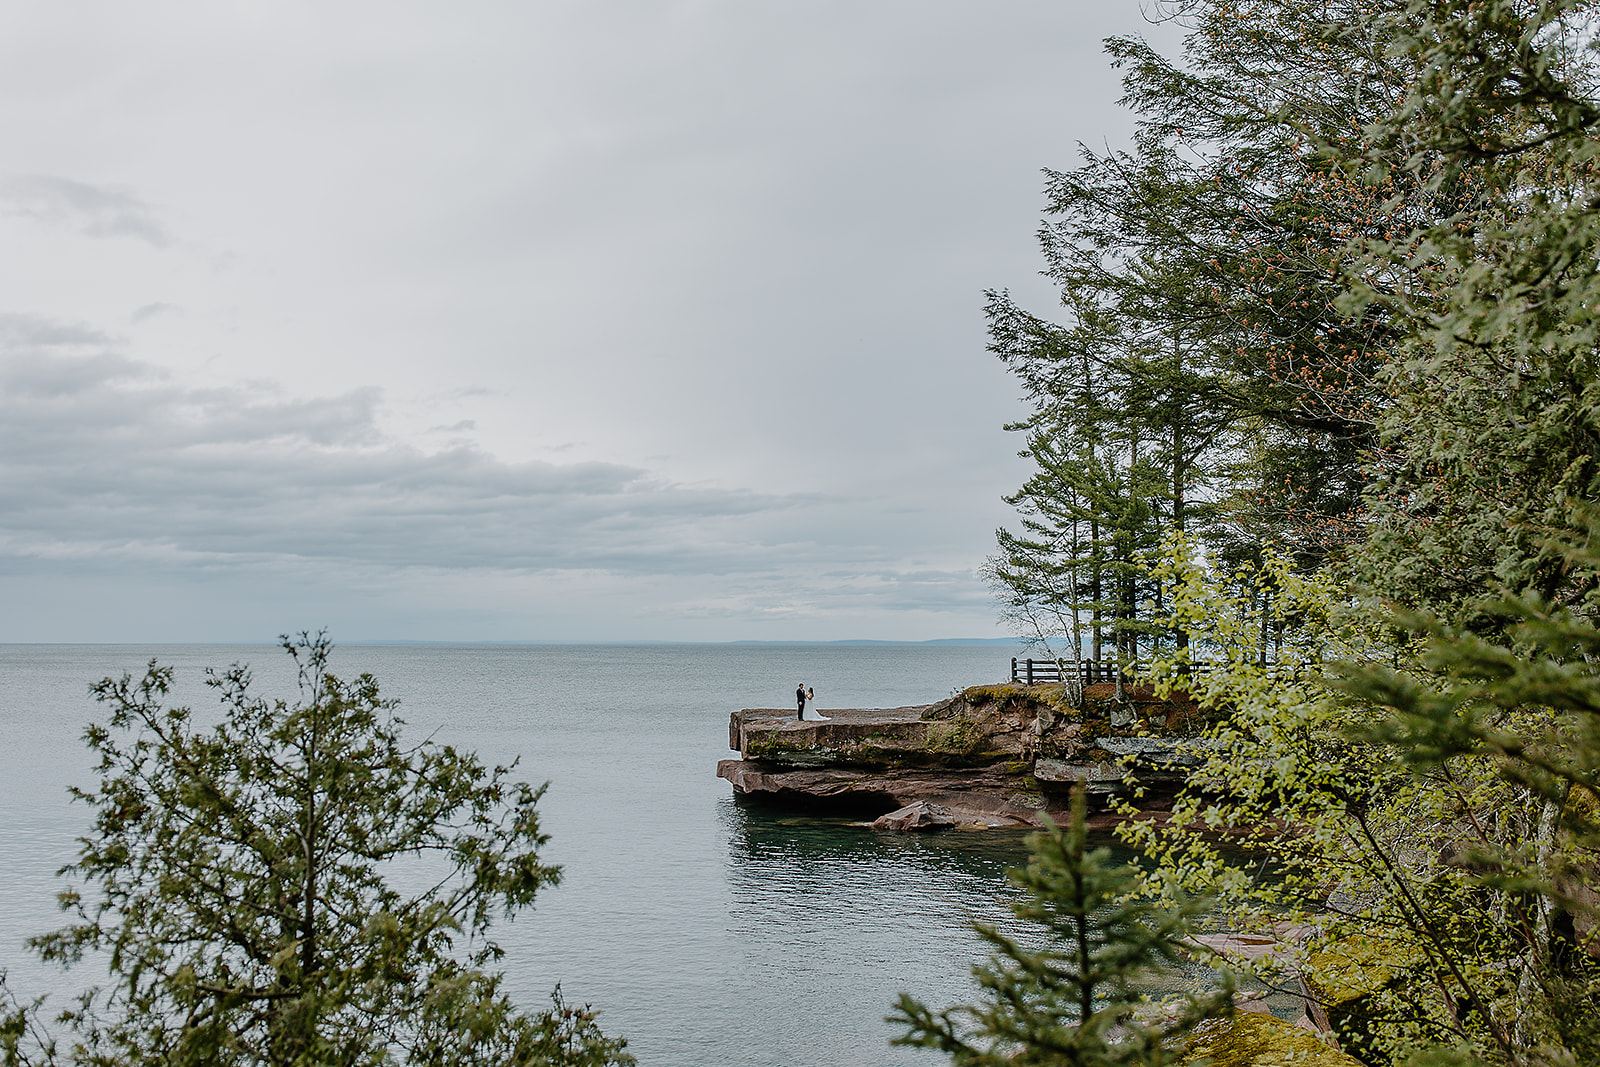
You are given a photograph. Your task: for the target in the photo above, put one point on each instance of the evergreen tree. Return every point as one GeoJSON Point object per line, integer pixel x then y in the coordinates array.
{"type": "Point", "coordinates": [1496, 431]}
{"type": "Point", "coordinates": [1444, 808]}
{"type": "Point", "coordinates": [1449, 799]}
{"type": "Point", "coordinates": [239, 883]}
{"type": "Point", "coordinates": [1200, 273]}
{"type": "Point", "coordinates": [1199, 270]}
{"type": "Point", "coordinates": [1499, 495]}
{"type": "Point", "coordinates": [1070, 1003]}
{"type": "Point", "coordinates": [1076, 573]}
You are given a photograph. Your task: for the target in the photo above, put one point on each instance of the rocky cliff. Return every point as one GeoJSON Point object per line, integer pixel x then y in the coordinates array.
{"type": "Point", "coordinates": [997, 755]}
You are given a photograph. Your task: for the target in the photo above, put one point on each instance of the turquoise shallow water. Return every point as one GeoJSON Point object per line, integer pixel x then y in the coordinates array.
{"type": "Point", "coordinates": [705, 930]}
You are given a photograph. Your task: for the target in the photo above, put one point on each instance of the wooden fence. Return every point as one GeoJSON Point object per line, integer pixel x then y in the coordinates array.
{"type": "Point", "coordinates": [1044, 671]}
{"type": "Point", "coordinates": [1039, 671]}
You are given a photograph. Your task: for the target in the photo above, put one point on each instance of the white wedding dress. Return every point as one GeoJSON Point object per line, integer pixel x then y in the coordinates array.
{"type": "Point", "coordinates": [813, 715]}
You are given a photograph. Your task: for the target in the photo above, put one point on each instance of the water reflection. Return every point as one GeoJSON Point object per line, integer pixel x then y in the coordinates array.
{"type": "Point", "coordinates": [761, 837]}
{"type": "Point", "coordinates": [800, 888]}
{"type": "Point", "coordinates": [831, 921]}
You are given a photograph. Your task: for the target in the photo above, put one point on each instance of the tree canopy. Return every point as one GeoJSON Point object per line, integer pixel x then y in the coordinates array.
{"type": "Point", "coordinates": [294, 885]}
{"type": "Point", "coordinates": [1364, 233]}
{"type": "Point", "coordinates": [1206, 372]}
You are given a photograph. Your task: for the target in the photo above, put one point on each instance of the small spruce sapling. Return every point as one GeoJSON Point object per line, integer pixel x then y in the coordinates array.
{"type": "Point", "coordinates": [1071, 1003]}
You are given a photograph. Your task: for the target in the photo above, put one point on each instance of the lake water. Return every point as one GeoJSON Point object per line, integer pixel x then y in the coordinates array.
{"type": "Point", "coordinates": [704, 930]}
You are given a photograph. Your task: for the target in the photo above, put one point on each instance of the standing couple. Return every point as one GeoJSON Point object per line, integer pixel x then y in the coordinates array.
{"type": "Point", "coordinates": [806, 700]}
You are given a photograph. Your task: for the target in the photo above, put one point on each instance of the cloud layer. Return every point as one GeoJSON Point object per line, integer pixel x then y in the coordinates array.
{"type": "Point", "coordinates": [543, 319]}
{"type": "Point", "coordinates": [105, 455]}
{"type": "Point", "coordinates": [112, 465]}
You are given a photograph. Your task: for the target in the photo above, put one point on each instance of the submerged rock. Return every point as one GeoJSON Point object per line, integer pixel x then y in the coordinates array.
{"type": "Point", "coordinates": [918, 816]}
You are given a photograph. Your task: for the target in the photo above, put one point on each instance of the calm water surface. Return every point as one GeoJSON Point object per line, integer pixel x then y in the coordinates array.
{"type": "Point", "coordinates": [706, 931]}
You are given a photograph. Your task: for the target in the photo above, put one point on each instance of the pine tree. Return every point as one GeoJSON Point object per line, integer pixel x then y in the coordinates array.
{"type": "Point", "coordinates": [1445, 811]}
{"type": "Point", "coordinates": [1198, 343]}
{"type": "Point", "coordinates": [1496, 430]}
{"type": "Point", "coordinates": [1072, 1002]}
{"type": "Point", "coordinates": [1486, 536]}
{"type": "Point", "coordinates": [1201, 274]}
{"type": "Point", "coordinates": [239, 885]}
{"type": "Point", "coordinates": [1076, 572]}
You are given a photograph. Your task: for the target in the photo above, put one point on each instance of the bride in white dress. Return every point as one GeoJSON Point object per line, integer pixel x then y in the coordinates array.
{"type": "Point", "coordinates": [812, 714]}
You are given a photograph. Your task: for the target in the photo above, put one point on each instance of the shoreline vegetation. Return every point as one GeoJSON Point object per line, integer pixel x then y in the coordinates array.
{"type": "Point", "coordinates": [1020, 757]}
{"type": "Point", "coordinates": [1322, 392]}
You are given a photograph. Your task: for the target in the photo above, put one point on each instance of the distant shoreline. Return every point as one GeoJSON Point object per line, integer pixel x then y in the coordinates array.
{"type": "Point", "coordinates": [968, 642]}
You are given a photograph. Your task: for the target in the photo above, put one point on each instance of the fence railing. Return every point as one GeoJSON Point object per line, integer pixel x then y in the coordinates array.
{"type": "Point", "coordinates": [1090, 671]}
{"type": "Point", "coordinates": [1042, 671]}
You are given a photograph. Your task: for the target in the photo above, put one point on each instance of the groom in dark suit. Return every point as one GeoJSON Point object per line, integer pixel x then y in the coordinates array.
{"type": "Point", "coordinates": [800, 700]}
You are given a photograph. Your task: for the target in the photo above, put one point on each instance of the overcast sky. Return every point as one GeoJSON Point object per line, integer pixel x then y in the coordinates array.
{"type": "Point", "coordinates": [532, 320]}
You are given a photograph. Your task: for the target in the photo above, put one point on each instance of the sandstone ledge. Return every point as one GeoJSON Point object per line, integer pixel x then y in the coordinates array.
{"type": "Point", "coordinates": [990, 756]}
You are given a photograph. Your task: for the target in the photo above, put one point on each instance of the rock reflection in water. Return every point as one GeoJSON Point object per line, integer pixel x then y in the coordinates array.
{"type": "Point", "coordinates": [849, 918]}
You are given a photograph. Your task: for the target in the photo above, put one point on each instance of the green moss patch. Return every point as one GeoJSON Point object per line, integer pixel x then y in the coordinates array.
{"type": "Point", "coordinates": [959, 736]}
{"type": "Point", "coordinates": [1582, 807]}
{"type": "Point", "coordinates": [764, 750]}
{"type": "Point", "coordinates": [1254, 1039]}
{"type": "Point", "coordinates": [992, 694]}
{"type": "Point", "coordinates": [1353, 967]}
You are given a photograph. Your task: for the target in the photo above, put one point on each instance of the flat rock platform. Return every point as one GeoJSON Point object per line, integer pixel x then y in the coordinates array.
{"type": "Point", "coordinates": [990, 756]}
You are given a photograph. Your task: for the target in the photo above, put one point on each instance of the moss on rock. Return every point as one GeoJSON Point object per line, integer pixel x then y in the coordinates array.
{"type": "Point", "coordinates": [1345, 976]}
{"type": "Point", "coordinates": [1001, 693]}
{"type": "Point", "coordinates": [959, 735]}
{"type": "Point", "coordinates": [1255, 1039]}
{"type": "Point", "coordinates": [1352, 967]}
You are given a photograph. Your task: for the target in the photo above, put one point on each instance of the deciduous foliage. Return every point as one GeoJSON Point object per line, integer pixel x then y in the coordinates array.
{"type": "Point", "coordinates": [295, 885]}
{"type": "Point", "coordinates": [1507, 735]}
{"type": "Point", "coordinates": [1413, 851]}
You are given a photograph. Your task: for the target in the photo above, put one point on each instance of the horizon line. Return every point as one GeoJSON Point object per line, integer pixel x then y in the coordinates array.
{"type": "Point", "coordinates": [513, 642]}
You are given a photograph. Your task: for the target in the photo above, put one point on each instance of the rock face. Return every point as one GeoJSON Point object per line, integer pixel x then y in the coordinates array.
{"type": "Point", "coordinates": [999, 755]}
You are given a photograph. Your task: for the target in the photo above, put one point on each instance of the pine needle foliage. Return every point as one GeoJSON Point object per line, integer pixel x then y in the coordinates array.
{"type": "Point", "coordinates": [243, 886]}
{"type": "Point", "coordinates": [1071, 1003]}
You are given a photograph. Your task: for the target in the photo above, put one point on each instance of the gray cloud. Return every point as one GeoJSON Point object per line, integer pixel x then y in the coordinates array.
{"type": "Point", "coordinates": [114, 471]}
{"type": "Point", "coordinates": [35, 332]}
{"type": "Point", "coordinates": [104, 455]}
{"type": "Point", "coordinates": [150, 311]}
{"type": "Point", "coordinates": [94, 210]}
{"type": "Point", "coordinates": [701, 246]}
